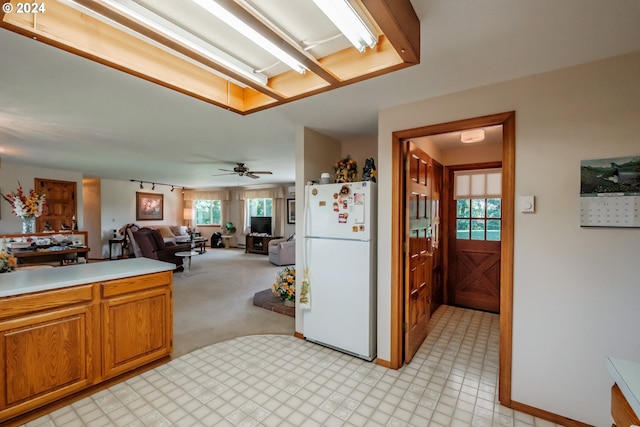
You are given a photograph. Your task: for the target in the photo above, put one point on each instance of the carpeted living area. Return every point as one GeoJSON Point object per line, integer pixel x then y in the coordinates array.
{"type": "Point", "coordinates": [215, 302]}
{"type": "Point", "coordinates": [267, 300]}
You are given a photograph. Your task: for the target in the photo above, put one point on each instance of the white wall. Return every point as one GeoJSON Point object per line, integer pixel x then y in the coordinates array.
{"type": "Point", "coordinates": [118, 207]}
{"type": "Point", "coordinates": [11, 173]}
{"type": "Point", "coordinates": [576, 290]}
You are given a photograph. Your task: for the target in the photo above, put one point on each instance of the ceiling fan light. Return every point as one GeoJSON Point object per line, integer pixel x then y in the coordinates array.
{"type": "Point", "coordinates": [471, 136]}
{"type": "Point", "coordinates": [224, 15]}
{"type": "Point", "coordinates": [344, 16]}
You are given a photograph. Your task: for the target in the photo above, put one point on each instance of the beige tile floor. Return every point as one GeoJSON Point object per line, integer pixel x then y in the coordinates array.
{"type": "Point", "coordinates": [272, 380]}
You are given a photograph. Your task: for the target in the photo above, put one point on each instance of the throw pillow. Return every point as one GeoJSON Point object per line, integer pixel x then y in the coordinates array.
{"type": "Point", "coordinates": [179, 230]}
{"type": "Point", "coordinates": [165, 231]}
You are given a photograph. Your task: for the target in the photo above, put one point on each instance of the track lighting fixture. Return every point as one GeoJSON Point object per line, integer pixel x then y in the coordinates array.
{"type": "Point", "coordinates": [153, 184]}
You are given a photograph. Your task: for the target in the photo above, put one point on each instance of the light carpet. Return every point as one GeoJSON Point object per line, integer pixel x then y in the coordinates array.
{"type": "Point", "coordinates": [215, 302]}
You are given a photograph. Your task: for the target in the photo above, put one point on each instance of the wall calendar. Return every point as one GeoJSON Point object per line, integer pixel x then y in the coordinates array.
{"type": "Point", "coordinates": [610, 192]}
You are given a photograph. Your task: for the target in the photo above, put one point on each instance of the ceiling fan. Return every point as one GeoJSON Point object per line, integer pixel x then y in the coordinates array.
{"type": "Point", "coordinates": [242, 170]}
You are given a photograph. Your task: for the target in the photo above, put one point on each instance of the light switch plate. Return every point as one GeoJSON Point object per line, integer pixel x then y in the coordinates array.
{"type": "Point", "coordinates": [527, 204]}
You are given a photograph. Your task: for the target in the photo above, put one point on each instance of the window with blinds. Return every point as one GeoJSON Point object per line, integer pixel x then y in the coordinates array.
{"type": "Point", "coordinates": [478, 204]}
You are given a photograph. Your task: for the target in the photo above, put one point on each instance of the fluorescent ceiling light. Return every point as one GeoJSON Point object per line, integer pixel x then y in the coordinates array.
{"type": "Point", "coordinates": [157, 23]}
{"type": "Point", "coordinates": [344, 16]}
{"type": "Point", "coordinates": [244, 29]}
{"type": "Point", "coordinates": [471, 136]}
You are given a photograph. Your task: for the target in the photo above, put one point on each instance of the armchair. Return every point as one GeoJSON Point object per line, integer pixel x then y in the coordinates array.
{"type": "Point", "coordinates": [152, 245]}
{"type": "Point", "coordinates": [282, 251]}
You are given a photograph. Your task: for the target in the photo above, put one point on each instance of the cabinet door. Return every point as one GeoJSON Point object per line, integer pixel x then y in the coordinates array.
{"type": "Point", "coordinates": [45, 356]}
{"type": "Point", "coordinates": [137, 329]}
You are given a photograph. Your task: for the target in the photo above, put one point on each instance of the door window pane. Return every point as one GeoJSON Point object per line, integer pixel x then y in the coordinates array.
{"type": "Point", "coordinates": [477, 208]}
{"type": "Point", "coordinates": [494, 207]}
{"type": "Point", "coordinates": [463, 208]}
{"type": "Point", "coordinates": [462, 229]}
{"type": "Point", "coordinates": [477, 229]}
{"type": "Point", "coordinates": [493, 229]}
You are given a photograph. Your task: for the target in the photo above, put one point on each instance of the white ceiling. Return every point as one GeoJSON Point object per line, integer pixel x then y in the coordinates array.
{"type": "Point", "coordinates": [61, 111]}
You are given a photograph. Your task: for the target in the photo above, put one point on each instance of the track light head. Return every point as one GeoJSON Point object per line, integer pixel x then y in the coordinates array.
{"type": "Point", "coordinates": [141, 186]}
{"type": "Point", "coordinates": [153, 186]}
{"type": "Point", "coordinates": [172, 188]}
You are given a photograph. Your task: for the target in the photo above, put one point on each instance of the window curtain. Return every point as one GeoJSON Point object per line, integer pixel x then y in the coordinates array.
{"type": "Point", "coordinates": [278, 196]}
{"type": "Point", "coordinates": [223, 195]}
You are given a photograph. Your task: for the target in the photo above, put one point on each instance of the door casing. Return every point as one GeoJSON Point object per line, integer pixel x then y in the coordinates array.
{"type": "Point", "coordinates": [507, 120]}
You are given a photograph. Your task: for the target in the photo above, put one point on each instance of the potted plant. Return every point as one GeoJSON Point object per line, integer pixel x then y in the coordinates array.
{"type": "Point", "coordinates": [285, 286]}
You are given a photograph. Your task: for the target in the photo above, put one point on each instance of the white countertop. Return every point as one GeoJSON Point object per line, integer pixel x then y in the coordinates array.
{"type": "Point", "coordinates": [627, 375]}
{"type": "Point", "coordinates": [22, 282]}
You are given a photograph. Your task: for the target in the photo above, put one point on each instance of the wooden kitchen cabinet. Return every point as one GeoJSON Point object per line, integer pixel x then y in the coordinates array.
{"type": "Point", "coordinates": [46, 348]}
{"type": "Point", "coordinates": [58, 342]}
{"type": "Point", "coordinates": [136, 322]}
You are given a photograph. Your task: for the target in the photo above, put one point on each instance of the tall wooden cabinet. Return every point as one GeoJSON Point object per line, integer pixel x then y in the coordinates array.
{"type": "Point", "coordinates": [56, 343]}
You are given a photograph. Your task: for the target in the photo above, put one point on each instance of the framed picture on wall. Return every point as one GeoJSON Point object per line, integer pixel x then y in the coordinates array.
{"type": "Point", "coordinates": [291, 211]}
{"type": "Point", "coordinates": [149, 206]}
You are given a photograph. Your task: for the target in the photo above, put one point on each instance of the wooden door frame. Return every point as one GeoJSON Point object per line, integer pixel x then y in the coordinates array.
{"type": "Point", "coordinates": [507, 120]}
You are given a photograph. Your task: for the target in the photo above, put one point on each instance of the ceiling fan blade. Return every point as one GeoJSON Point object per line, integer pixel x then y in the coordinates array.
{"type": "Point", "coordinates": [261, 172]}
{"type": "Point", "coordinates": [251, 175]}
{"type": "Point", "coordinates": [221, 174]}
{"type": "Point", "coordinates": [227, 170]}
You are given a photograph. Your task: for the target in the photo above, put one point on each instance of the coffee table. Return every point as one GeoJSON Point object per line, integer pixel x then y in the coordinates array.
{"type": "Point", "coordinates": [200, 243]}
{"type": "Point", "coordinates": [186, 260]}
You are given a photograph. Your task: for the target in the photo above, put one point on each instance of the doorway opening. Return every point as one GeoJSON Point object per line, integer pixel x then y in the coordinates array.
{"type": "Point", "coordinates": [399, 138]}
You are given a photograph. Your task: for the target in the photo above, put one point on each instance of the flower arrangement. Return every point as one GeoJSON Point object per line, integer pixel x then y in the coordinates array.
{"type": "Point", "coordinates": [23, 205]}
{"type": "Point", "coordinates": [285, 286]}
{"type": "Point", "coordinates": [346, 170]}
{"type": "Point", "coordinates": [7, 262]}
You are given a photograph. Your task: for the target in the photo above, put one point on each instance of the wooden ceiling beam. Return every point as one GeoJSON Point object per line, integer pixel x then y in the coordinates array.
{"type": "Point", "coordinates": [400, 24]}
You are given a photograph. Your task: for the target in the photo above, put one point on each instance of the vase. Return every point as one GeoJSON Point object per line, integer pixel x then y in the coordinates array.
{"type": "Point", "coordinates": [289, 303]}
{"type": "Point", "coordinates": [28, 224]}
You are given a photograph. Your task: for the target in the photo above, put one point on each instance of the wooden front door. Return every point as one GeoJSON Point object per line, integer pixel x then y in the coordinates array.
{"type": "Point", "coordinates": [418, 259]}
{"type": "Point", "coordinates": [60, 210]}
{"type": "Point", "coordinates": [475, 226]}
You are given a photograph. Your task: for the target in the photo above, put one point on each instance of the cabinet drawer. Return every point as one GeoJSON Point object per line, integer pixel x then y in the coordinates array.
{"type": "Point", "coordinates": [134, 284]}
{"type": "Point", "coordinates": [31, 303]}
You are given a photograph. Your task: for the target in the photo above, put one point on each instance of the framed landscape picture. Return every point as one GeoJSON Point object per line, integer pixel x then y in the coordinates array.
{"type": "Point", "coordinates": [291, 211]}
{"type": "Point", "coordinates": [149, 206]}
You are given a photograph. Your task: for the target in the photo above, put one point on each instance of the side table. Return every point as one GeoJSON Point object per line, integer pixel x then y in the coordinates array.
{"type": "Point", "coordinates": [186, 260]}
{"type": "Point", "coordinates": [114, 242]}
{"type": "Point", "coordinates": [226, 239]}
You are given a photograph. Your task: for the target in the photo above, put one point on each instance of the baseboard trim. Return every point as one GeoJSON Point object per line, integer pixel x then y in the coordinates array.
{"type": "Point", "coordinates": [298, 335]}
{"type": "Point", "coordinates": [545, 415]}
{"type": "Point", "coordinates": [383, 363]}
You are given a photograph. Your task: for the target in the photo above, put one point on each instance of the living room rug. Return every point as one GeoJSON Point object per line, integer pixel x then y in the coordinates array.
{"type": "Point", "coordinates": [267, 300]}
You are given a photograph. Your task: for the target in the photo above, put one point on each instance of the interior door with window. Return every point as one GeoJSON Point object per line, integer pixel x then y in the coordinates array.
{"type": "Point", "coordinates": [418, 258]}
{"type": "Point", "coordinates": [475, 222]}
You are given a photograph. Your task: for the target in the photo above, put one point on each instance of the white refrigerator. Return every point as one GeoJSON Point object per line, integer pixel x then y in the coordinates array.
{"type": "Point", "coordinates": [340, 259]}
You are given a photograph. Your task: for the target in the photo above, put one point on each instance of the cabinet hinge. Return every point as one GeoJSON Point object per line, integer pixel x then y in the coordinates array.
{"type": "Point", "coordinates": [405, 327]}
{"type": "Point", "coordinates": [405, 247]}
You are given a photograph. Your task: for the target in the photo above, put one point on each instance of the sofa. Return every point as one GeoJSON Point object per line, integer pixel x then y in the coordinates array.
{"type": "Point", "coordinates": [173, 233]}
{"type": "Point", "coordinates": [282, 251]}
{"type": "Point", "coordinates": [152, 245]}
